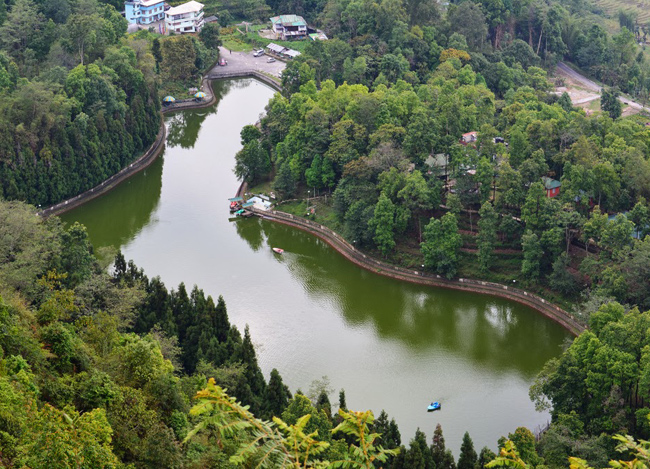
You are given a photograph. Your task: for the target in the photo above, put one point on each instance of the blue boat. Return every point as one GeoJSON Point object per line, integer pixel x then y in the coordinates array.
{"type": "Point", "coordinates": [433, 406]}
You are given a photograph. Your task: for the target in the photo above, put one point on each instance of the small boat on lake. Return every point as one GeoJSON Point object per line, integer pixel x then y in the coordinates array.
{"type": "Point", "coordinates": [278, 250]}
{"type": "Point", "coordinates": [433, 406]}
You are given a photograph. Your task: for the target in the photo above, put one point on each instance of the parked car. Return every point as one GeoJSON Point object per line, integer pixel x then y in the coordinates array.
{"type": "Point", "coordinates": [271, 59]}
{"type": "Point", "coordinates": [223, 62]}
{"type": "Point", "coordinates": [258, 52]}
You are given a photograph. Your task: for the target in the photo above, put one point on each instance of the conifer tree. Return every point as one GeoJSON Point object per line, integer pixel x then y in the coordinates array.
{"type": "Point", "coordinates": [220, 320]}
{"type": "Point", "coordinates": [342, 404]}
{"type": "Point", "coordinates": [254, 376]}
{"type": "Point", "coordinates": [323, 404]}
{"type": "Point", "coordinates": [441, 455]}
{"type": "Point", "coordinates": [182, 310]}
{"type": "Point", "coordinates": [487, 235]}
{"type": "Point", "coordinates": [277, 395]}
{"type": "Point", "coordinates": [418, 455]}
{"type": "Point", "coordinates": [485, 457]}
{"type": "Point", "coordinates": [468, 457]}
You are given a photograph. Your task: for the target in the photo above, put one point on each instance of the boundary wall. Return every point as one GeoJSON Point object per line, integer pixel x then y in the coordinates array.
{"type": "Point", "coordinates": [335, 240]}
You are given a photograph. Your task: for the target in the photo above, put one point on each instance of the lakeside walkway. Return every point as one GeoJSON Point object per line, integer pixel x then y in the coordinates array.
{"type": "Point", "coordinates": [355, 256]}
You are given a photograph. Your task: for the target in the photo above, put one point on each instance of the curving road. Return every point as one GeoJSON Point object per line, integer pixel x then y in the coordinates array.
{"type": "Point", "coordinates": [595, 87]}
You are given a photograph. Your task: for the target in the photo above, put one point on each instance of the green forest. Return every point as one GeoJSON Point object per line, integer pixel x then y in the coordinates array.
{"type": "Point", "coordinates": [375, 118]}
{"type": "Point", "coordinates": [107, 368]}
{"type": "Point", "coordinates": [104, 367]}
{"type": "Point", "coordinates": [79, 97]}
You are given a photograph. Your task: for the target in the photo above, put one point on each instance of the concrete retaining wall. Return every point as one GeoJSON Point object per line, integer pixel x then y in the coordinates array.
{"type": "Point", "coordinates": [332, 238]}
{"type": "Point", "coordinates": [138, 165]}
{"type": "Point", "coordinates": [218, 75]}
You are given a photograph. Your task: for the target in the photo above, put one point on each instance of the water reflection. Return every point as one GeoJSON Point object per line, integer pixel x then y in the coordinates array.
{"type": "Point", "coordinates": [489, 330]}
{"type": "Point", "coordinates": [250, 231]}
{"type": "Point", "coordinates": [183, 127]}
{"type": "Point", "coordinates": [133, 205]}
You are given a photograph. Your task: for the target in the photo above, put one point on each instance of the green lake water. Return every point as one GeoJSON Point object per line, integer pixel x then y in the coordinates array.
{"type": "Point", "coordinates": [391, 345]}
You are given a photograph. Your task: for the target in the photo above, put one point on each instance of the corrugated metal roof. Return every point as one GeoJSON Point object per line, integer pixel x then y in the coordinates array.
{"type": "Point", "coordinates": [275, 48]}
{"type": "Point", "coordinates": [289, 20]}
{"type": "Point", "coordinates": [291, 53]}
{"type": "Point", "coordinates": [319, 36]}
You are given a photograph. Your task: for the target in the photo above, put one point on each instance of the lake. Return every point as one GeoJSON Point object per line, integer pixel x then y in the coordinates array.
{"type": "Point", "coordinates": [391, 345]}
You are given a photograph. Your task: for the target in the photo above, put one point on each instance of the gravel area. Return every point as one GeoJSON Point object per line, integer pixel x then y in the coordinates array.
{"type": "Point", "coordinates": [244, 61]}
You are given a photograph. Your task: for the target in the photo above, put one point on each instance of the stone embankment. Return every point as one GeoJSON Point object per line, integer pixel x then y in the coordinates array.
{"type": "Point", "coordinates": [332, 238]}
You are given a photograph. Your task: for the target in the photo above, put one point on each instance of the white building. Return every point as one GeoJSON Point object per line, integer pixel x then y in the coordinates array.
{"type": "Point", "coordinates": [185, 18]}
{"type": "Point", "coordinates": [144, 11]}
{"type": "Point", "coordinates": [288, 27]}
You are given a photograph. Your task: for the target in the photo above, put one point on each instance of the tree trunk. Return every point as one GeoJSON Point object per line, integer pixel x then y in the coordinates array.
{"type": "Point", "coordinates": [539, 43]}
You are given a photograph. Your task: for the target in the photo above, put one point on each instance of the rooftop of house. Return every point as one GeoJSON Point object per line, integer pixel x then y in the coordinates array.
{"type": "Point", "coordinates": [551, 183]}
{"type": "Point", "coordinates": [150, 3]}
{"type": "Point", "coordinates": [318, 36]}
{"type": "Point", "coordinates": [189, 7]}
{"type": "Point", "coordinates": [275, 47]}
{"type": "Point", "coordinates": [289, 20]}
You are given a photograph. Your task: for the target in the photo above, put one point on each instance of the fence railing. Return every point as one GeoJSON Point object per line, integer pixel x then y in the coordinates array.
{"type": "Point", "coordinates": [335, 240]}
{"type": "Point", "coordinates": [246, 73]}
{"type": "Point", "coordinates": [141, 163]}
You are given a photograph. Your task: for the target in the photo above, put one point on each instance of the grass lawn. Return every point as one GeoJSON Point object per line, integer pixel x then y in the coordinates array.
{"type": "Point", "coordinates": [323, 212]}
{"type": "Point", "coordinates": [236, 43]}
{"type": "Point", "coordinates": [260, 41]}
{"type": "Point", "coordinates": [261, 188]}
{"type": "Point", "coordinates": [246, 41]}
{"type": "Point", "coordinates": [594, 105]}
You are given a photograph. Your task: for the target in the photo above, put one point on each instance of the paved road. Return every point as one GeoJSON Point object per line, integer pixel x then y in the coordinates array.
{"type": "Point", "coordinates": [592, 86]}
{"type": "Point", "coordinates": [244, 61]}
{"type": "Point", "coordinates": [584, 81]}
